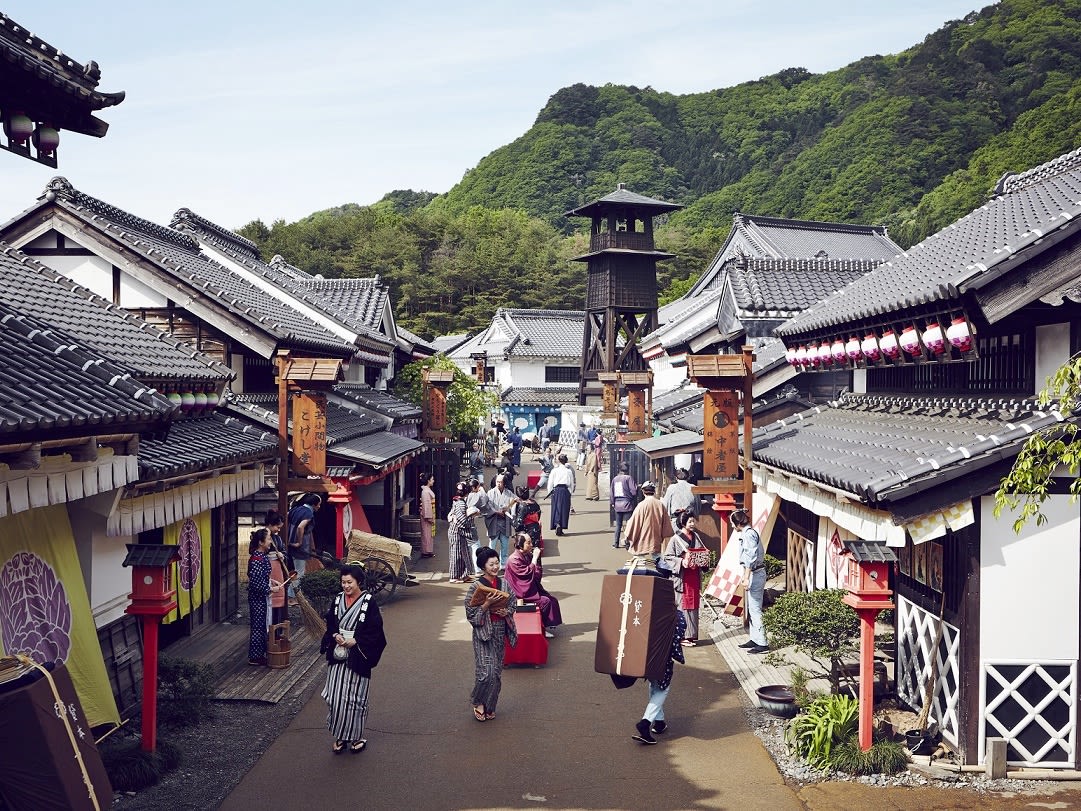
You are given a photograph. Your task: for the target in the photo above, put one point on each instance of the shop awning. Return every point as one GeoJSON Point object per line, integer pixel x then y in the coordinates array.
{"type": "Point", "coordinates": [666, 445]}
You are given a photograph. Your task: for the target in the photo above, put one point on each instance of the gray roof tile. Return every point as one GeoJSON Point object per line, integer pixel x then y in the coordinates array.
{"type": "Point", "coordinates": [962, 256]}
{"type": "Point", "coordinates": [203, 443]}
{"type": "Point", "coordinates": [790, 285]}
{"type": "Point", "coordinates": [547, 396]}
{"type": "Point", "coordinates": [31, 288]}
{"type": "Point", "coordinates": [542, 333]}
{"type": "Point", "coordinates": [380, 402]}
{"type": "Point", "coordinates": [885, 447]}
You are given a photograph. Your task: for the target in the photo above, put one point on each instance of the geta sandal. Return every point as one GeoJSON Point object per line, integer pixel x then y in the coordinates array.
{"type": "Point", "coordinates": [339, 747]}
{"type": "Point", "coordinates": [489, 716]}
{"type": "Point", "coordinates": [478, 713]}
{"type": "Point", "coordinates": [358, 746]}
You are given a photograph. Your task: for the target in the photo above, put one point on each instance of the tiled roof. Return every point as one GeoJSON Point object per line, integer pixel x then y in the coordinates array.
{"type": "Point", "coordinates": [976, 249]}
{"type": "Point", "coordinates": [776, 238]}
{"type": "Point", "coordinates": [380, 402]}
{"type": "Point", "coordinates": [292, 282]}
{"type": "Point", "coordinates": [358, 303]}
{"type": "Point", "coordinates": [447, 343]}
{"type": "Point", "coordinates": [379, 449]}
{"type": "Point", "coordinates": [53, 385]}
{"type": "Point", "coordinates": [676, 401]}
{"type": "Point", "coordinates": [789, 285]}
{"type": "Point", "coordinates": [419, 345]}
{"type": "Point", "coordinates": [31, 288]}
{"type": "Point", "coordinates": [204, 443]}
{"type": "Point", "coordinates": [49, 67]}
{"type": "Point", "coordinates": [343, 423]}
{"type": "Point", "coordinates": [543, 333]}
{"type": "Point", "coordinates": [178, 255]}
{"type": "Point", "coordinates": [548, 396]}
{"type": "Point", "coordinates": [883, 448]}
{"type": "Point", "coordinates": [623, 197]}
{"type": "Point", "coordinates": [681, 324]}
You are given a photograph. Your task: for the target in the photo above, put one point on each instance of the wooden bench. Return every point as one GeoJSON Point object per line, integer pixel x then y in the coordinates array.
{"type": "Point", "coordinates": [532, 647]}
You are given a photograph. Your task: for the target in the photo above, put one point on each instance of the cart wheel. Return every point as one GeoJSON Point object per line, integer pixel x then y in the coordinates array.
{"type": "Point", "coordinates": [379, 580]}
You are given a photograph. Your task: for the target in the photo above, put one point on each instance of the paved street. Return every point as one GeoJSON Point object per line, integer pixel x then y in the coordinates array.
{"type": "Point", "coordinates": [562, 738]}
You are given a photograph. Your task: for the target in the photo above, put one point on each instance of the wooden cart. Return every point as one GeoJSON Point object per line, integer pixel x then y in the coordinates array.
{"type": "Point", "coordinates": [385, 562]}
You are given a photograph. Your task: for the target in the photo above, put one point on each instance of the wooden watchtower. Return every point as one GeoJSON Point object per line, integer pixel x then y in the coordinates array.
{"type": "Point", "coordinates": [621, 289]}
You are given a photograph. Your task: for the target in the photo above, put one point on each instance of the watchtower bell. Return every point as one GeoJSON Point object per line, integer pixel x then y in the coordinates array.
{"type": "Point", "coordinates": [621, 289]}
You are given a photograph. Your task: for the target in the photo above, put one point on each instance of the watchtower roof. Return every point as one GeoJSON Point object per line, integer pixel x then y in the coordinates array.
{"type": "Point", "coordinates": [621, 198]}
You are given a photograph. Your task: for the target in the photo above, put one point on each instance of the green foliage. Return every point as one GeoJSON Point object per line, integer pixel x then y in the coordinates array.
{"type": "Point", "coordinates": [884, 757]}
{"type": "Point", "coordinates": [819, 625]}
{"type": "Point", "coordinates": [824, 723]}
{"type": "Point", "coordinates": [798, 680]}
{"type": "Point", "coordinates": [132, 769]}
{"type": "Point", "coordinates": [774, 566]}
{"type": "Point", "coordinates": [467, 403]}
{"type": "Point", "coordinates": [1028, 484]}
{"type": "Point", "coordinates": [185, 689]}
{"type": "Point", "coordinates": [320, 587]}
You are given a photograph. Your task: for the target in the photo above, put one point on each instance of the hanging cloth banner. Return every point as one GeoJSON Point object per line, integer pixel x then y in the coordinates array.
{"type": "Point", "coordinates": [44, 609]}
{"type": "Point", "coordinates": [191, 574]}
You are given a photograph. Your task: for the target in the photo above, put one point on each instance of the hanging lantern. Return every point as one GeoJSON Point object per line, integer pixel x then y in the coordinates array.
{"type": "Point", "coordinates": [959, 335]}
{"type": "Point", "coordinates": [212, 400]}
{"type": "Point", "coordinates": [790, 355]}
{"type": "Point", "coordinates": [200, 401]}
{"type": "Point", "coordinates": [187, 401]}
{"type": "Point", "coordinates": [46, 139]}
{"type": "Point", "coordinates": [870, 347]}
{"type": "Point", "coordinates": [853, 349]}
{"type": "Point", "coordinates": [174, 398]}
{"type": "Point", "coordinates": [888, 344]}
{"type": "Point", "coordinates": [933, 339]}
{"type": "Point", "coordinates": [837, 350]}
{"type": "Point", "coordinates": [910, 340]}
{"type": "Point", "coordinates": [18, 127]}
{"type": "Point", "coordinates": [812, 356]}
{"type": "Point", "coordinates": [825, 356]}
{"type": "Point", "coordinates": [801, 357]}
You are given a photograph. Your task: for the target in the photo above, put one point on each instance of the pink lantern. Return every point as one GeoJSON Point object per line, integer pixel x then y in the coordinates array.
{"type": "Point", "coordinates": [870, 347]}
{"type": "Point", "coordinates": [18, 126]}
{"type": "Point", "coordinates": [853, 349]}
{"type": "Point", "coordinates": [46, 139]}
{"type": "Point", "coordinates": [910, 340]}
{"type": "Point", "coordinates": [825, 356]}
{"type": "Point", "coordinates": [959, 335]}
{"type": "Point", "coordinates": [837, 350]}
{"type": "Point", "coordinates": [888, 344]}
{"type": "Point", "coordinates": [801, 357]}
{"type": "Point", "coordinates": [933, 339]}
{"type": "Point", "coordinates": [813, 358]}
{"type": "Point", "coordinates": [790, 356]}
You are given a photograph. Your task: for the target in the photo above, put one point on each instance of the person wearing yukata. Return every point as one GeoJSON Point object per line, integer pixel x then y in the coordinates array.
{"type": "Point", "coordinates": [560, 490]}
{"type": "Point", "coordinates": [353, 643]}
{"type": "Point", "coordinates": [686, 575]}
{"type": "Point", "coordinates": [259, 591]}
{"type": "Point", "coordinates": [461, 531]}
{"type": "Point", "coordinates": [648, 526]}
{"type": "Point", "coordinates": [679, 498]}
{"type": "Point", "coordinates": [497, 519]}
{"type": "Point", "coordinates": [593, 460]}
{"type": "Point", "coordinates": [622, 495]}
{"type": "Point", "coordinates": [516, 447]}
{"type": "Point", "coordinates": [491, 626]}
{"type": "Point", "coordinates": [427, 515]}
{"type": "Point", "coordinates": [524, 572]}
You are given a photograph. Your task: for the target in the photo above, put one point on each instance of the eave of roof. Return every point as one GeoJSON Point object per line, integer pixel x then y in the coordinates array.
{"type": "Point", "coordinates": [203, 444]}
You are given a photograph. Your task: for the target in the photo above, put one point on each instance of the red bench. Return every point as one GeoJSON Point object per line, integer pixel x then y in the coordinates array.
{"type": "Point", "coordinates": [532, 647]}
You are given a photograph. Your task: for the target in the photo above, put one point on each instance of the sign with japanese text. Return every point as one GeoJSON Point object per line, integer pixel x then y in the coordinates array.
{"type": "Point", "coordinates": [720, 452]}
{"type": "Point", "coordinates": [310, 434]}
{"type": "Point", "coordinates": [636, 411]}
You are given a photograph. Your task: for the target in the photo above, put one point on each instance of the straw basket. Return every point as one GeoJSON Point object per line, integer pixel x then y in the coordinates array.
{"type": "Point", "coordinates": [364, 545]}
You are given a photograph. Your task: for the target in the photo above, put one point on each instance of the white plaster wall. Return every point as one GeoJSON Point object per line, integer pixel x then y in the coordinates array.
{"type": "Point", "coordinates": [1052, 350]}
{"type": "Point", "coordinates": [46, 240]}
{"type": "Point", "coordinates": [1029, 584]}
{"type": "Point", "coordinates": [859, 381]}
{"type": "Point", "coordinates": [666, 376]}
{"type": "Point", "coordinates": [92, 272]}
{"type": "Point", "coordinates": [110, 581]}
{"type": "Point", "coordinates": [134, 294]}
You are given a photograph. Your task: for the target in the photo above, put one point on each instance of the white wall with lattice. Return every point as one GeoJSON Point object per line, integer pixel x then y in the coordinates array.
{"type": "Point", "coordinates": [917, 630]}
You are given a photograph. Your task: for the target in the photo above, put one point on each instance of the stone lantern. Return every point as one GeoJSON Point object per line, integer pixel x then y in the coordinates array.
{"type": "Point", "coordinates": [152, 597]}
{"type": "Point", "coordinates": [868, 593]}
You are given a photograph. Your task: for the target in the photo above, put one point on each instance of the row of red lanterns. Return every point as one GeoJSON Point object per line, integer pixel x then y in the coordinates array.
{"type": "Point", "coordinates": [887, 347]}
{"type": "Point", "coordinates": [19, 127]}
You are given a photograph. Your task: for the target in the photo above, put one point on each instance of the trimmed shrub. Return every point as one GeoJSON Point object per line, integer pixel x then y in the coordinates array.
{"type": "Point", "coordinates": [131, 769]}
{"type": "Point", "coordinates": [819, 625]}
{"type": "Point", "coordinates": [185, 689]}
{"type": "Point", "coordinates": [320, 587]}
{"type": "Point", "coordinates": [884, 757]}
{"type": "Point", "coordinates": [774, 566]}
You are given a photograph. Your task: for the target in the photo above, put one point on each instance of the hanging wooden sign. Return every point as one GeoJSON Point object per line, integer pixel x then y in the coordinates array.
{"type": "Point", "coordinates": [720, 452]}
{"type": "Point", "coordinates": [310, 434]}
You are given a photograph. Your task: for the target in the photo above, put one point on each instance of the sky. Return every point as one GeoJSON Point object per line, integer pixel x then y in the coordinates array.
{"type": "Point", "coordinates": [243, 110]}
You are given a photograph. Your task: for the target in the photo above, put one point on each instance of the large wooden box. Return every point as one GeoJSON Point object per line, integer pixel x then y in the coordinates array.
{"type": "Point", "coordinates": [637, 620]}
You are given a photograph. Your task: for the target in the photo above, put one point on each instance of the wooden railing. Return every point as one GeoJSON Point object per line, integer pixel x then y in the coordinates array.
{"type": "Point", "coordinates": [621, 239]}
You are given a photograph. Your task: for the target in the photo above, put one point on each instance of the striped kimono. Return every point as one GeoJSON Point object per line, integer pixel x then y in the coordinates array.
{"type": "Point", "coordinates": [488, 635]}
{"type": "Point", "coordinates": [461, 531]}
{"type": "Point", "coordinates": [346, 690]}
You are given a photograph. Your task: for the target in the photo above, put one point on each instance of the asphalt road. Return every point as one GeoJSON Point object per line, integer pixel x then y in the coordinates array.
{"type": "Point", "coordinates": [562, 739]}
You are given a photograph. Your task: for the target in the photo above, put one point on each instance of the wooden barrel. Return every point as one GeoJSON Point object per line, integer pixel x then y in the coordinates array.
{"type": "Point", "coordinates": [410, 531]}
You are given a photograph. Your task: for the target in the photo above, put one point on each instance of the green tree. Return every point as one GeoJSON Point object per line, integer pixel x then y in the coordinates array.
{"type": "Point", "coordinates": [467, 403]}
{"type": "Point", "coordinates": [1027, 486]}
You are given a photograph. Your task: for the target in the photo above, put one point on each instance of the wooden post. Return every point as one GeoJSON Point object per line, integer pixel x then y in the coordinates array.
{"type": "Point", "coordinates": [867, 675]}
{"type": "Point", "coordinates": [283, 439]}
{"type": "Point", "coordinates": [996, 758]}
{"type": "Point", "coordinates": [150, 683]}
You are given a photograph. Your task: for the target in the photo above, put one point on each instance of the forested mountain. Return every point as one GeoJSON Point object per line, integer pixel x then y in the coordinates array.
{"type": "Point", "coordinates": [912, 141]}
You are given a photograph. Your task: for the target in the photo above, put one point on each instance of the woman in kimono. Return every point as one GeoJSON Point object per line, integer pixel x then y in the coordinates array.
{"type": "Point", "coordinates": [259, 591]}
{"type": "Point", "coordinates": [686, 574]}
{"type": "Point", "coordinates": [353, 644]}
{"type": "Point", "coordinates": [427, 515]}
{"type": "Point", "coordinates": [490, 627]}
{"type": "Point", "coordinates": [524, 574]}
{"type": "Point", "coordinates": [461, 530]}
{"type": "Point", "coordinates": [593, 459]}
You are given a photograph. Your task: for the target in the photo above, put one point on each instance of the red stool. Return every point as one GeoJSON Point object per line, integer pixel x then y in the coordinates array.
{"type": "Point", "coordinates": [532, 647]}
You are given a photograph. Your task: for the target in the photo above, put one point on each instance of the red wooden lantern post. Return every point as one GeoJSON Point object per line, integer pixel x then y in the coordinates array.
{"type": "Point", "coordinates": [152, 597]}
{"type": "Point", "coordinates": [868, 592]}
{"type": "Point", "coordinates": [342, 499]}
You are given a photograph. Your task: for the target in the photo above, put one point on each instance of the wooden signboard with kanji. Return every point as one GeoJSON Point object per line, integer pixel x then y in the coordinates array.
{"type": "Point", "coordinates": [720, 452]}
{"type": "Point", "coordinates": [310, 433]}
{"type": "Point", "coordinates": [728, 381]}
